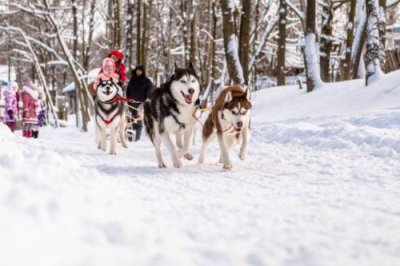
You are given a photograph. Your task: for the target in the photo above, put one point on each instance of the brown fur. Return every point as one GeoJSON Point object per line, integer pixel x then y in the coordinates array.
{"type": "Point", "coordinates": [238, 94]}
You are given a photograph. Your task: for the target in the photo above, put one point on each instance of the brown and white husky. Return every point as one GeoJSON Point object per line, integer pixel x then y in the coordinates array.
{"type": "Point", "coordinates": [229, 120]}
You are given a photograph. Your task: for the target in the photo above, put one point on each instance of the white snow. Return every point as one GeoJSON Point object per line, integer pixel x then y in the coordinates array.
{"type": "Point", "coordinates": [321, 187]}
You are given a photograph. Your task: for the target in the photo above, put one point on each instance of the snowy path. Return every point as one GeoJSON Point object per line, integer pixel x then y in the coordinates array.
{"type": "Point", "coordinates": [303, 198]}
{"type": "Point", "coordinates": [314, 191]}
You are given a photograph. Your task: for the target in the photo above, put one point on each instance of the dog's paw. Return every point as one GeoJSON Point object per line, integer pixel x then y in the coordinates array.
{"type": "Point", "coordinates": [188, 156]}
{"type": "Point", "coordinates": [178, 164]}
{"type": "Point", "coordinates": [125, 145]}
{"type": "Point", "coordinates": [162, 165]}
{"type": "Point", "coordinates": [113, 153]}
{"type": "Point", "coordinates": [243, 156]}
{"type": "Point", "coordinates": [200, 160]}
{"type": "Point", "coordinates": [227, 167]}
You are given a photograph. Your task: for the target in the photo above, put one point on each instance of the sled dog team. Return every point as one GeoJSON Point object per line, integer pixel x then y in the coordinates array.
{"type": "Point", "coordinates": [173, 109]}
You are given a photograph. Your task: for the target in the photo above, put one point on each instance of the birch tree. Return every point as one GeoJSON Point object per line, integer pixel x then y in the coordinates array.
{"type": "Point", "coordinates": [347, 65]}
{"type": "Point", "coordinates": [372, 55]}
{"type": "Point", "coordinates": [231, 42]}
{"type": "Point", "coordinates": [311, 59]}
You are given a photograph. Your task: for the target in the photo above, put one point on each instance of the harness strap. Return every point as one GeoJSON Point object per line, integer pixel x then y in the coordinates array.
{"type": "Point", "coordinates": [181, 125]}
{"type": "Point", "coordinates": [109, 121]}
{"type": "Point", "coordinates": [223, 117]}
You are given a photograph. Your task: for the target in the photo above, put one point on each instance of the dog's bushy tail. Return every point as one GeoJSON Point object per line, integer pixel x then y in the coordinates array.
{"type": "Point", "coordinates": [208, 128]}
{"type": "Point", "coordinates": [148, 121]}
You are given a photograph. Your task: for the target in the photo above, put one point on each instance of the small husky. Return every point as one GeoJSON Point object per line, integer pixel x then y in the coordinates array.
{"type": "Point", "coordinates": [171, 109]}
{"type": "Point", "coordinates": [110, 114]}
{"type": "Point", "coordinates": [229, 120]}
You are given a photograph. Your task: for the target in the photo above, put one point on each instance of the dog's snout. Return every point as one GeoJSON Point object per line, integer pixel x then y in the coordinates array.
{"type": "Point", "coordinates": [239, 124]}
{"type": "Point", "coordinates": [191, 91]}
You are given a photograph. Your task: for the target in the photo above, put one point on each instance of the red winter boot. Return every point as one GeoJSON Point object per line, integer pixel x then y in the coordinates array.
{"type": "Point", "coordinates": [29, 134]}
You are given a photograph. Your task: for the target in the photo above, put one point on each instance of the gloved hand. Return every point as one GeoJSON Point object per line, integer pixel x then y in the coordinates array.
{"type": "Point", "coordinates": [10, 114]}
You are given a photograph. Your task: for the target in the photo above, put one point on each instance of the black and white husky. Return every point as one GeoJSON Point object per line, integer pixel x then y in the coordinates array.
{"type": "Point", "coordinates": [171, 109]}
{"type": "Point", "coordinates": [110, 114]}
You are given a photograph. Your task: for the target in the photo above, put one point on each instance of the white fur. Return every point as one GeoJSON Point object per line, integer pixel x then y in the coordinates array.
{"type": "Point", "coordinates": [117, 126]}
{"type": "Point", "coordinates": [185, 116]}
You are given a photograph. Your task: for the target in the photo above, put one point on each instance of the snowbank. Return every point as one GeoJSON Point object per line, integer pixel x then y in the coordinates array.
{"type": "Point", "coordinates": [321, 187]}
{"type": "Point", "coordinates": [333, 99]}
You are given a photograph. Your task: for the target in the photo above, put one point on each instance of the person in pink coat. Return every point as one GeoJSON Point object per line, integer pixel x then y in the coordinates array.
{"type": "Point", "coordinates": [11, 106]}
{"type": "Point", "coordinates": [108, 71]}
{"type": "Point", "coordinates": [31, 109]}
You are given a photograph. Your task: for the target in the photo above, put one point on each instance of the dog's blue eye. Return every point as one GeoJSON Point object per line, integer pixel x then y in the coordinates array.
{"type": "Point", "coordinates": [182, 81]}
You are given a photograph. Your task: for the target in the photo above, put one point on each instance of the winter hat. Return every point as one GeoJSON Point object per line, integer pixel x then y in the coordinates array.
{"type": "Point", "coordinates": [118, 54]}
{"type": "Point", "coordinates": [14, 84]}
{"type": "Point", "coordinates": [28, 83]}
{"type": "Point", "coordinates": [138, 67]}
{"type": "Point", "coordinates": [108, 62]}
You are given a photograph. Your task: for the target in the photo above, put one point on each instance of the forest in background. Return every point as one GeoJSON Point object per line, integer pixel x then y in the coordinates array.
{"type": "Point", "coordinates": [56, 42]}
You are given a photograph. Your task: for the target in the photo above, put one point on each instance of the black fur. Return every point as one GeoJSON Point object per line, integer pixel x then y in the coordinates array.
{"type": "Point", "coordinates": [161, 102]}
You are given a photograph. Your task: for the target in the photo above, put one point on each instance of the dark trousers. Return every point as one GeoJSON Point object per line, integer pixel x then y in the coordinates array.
{"type": "Point", "coordinates": [137, 127]}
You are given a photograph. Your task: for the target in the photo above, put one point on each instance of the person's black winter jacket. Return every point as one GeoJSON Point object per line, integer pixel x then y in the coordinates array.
{"type": "Point", "coordinates": [139, 88]}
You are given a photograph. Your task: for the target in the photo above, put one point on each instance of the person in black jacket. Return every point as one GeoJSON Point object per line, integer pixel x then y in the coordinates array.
{"type": "Point", "coordinates": [138, 90]}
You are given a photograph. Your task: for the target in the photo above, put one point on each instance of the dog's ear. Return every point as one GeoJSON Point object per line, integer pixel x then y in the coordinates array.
{"type": "Point", "coordinates": [228, 97]}
{"type": "Point", "coordinates": [191, 67]}
{"type": "Point", "coordinates": [247, 93]}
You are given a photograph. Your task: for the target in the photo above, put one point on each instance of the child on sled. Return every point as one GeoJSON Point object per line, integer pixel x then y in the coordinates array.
{"type": "Point", "coordinates": [108, 72]}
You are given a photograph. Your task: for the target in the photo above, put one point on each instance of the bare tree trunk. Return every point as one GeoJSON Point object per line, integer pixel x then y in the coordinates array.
{"type": "Point", "coordinates": [129, 33]}
{"type": "Point", "coordinates": [213, 51]}
{"type": "Point", "coordinates": [372, 56]}
{"type": "Point", "coordinates": [230, 43]}
{"type": "Point", "coordinates": [138, 30]}
{"type": "Point", "coordinates": [311, 64]}
{"type": "Point", "coordinates": [185, 31]}
{"type": "Point", "coordinates": [193, 36]}
{"type": "Point", "coordinates": [359, 38]}
{"type": "Point", "coordinates": [74, 53]}
{"type": "Point", "coordinates": [359, 52]}
{"type": "Point", "coordinates": [281, 43]}
{"type": "Point", "coordinates": [69, 57]}
{"type": "Point", "coordinates": [326, 40]}
{"type": "Point", "coordinates": [86, 58]}
{"type": "Point", "coordinates": [145, 32]}
{"type": "Point", "coordinates": [252, 69]}
{"type": "Point", "coordinates": [347, 69]}
{"type": "Point", "coordinates": [244, 37]}
{"type": "Point", "coordinates": [382, 33]}
{"type": "Point", "coordinates": [117, 24]}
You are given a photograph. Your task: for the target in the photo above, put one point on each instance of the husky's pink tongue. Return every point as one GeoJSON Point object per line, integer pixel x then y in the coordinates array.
{"type": "Point", "coordinates": [188, 98]}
